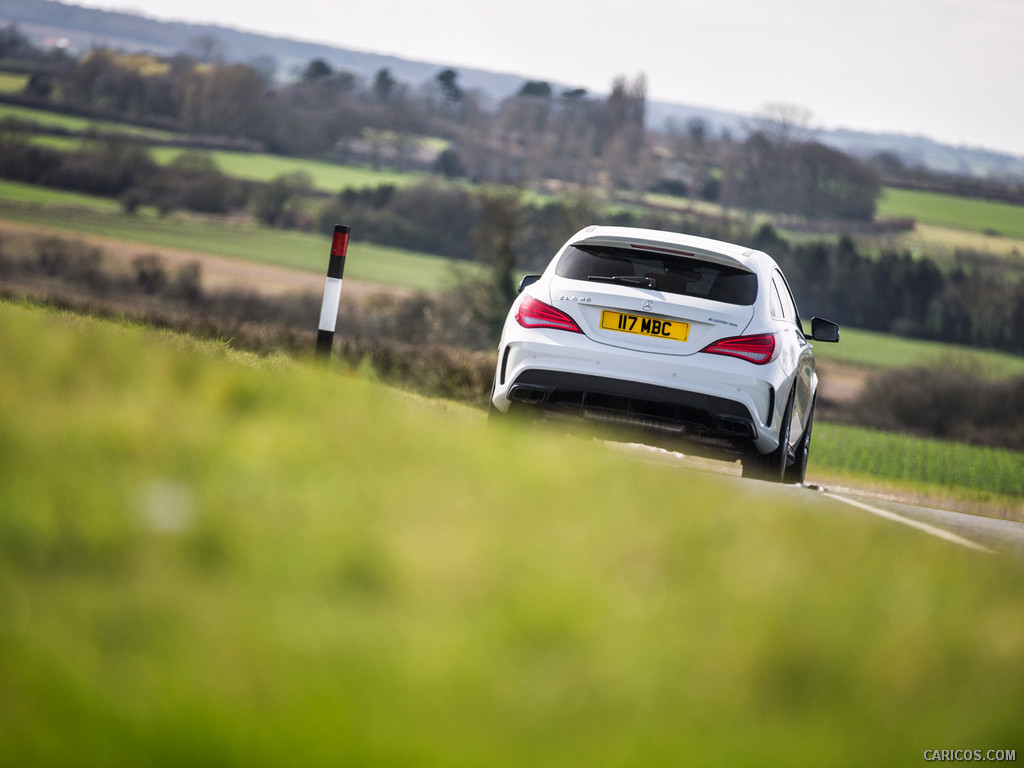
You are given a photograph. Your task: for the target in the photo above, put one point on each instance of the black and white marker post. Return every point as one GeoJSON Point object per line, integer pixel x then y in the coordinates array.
{"type": "Point", "coordinates": [332, 292]}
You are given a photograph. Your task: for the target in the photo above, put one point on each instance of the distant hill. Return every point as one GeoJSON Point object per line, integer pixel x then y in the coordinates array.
{"type": "Point", "coordinates": [79, 29]}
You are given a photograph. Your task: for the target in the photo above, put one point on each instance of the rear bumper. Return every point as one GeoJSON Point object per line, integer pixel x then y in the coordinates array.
{"type": "Point", "coordinates": [665, 415]}
{"type": "Point", "coordinates": [697, 397]}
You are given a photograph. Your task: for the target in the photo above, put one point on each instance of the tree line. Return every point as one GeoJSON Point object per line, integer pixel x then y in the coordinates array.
{"type": "Point", "coordinates": [978, 301]}
{"type": "Point", "coordinates": [539, 135]}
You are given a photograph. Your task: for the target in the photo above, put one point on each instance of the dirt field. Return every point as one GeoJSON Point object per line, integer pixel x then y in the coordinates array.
{"type": "Point", "coordinates": [218, 273]}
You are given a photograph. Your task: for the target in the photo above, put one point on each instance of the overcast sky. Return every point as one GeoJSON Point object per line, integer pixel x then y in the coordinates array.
{"type": "Point", "coordinates": [952, 70]}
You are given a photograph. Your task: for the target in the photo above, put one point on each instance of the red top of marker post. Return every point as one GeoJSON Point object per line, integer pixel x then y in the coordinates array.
{"type": "Point", "coordinates": [336, 266]}
{"type": "Point", "coordinates": [339, 245]}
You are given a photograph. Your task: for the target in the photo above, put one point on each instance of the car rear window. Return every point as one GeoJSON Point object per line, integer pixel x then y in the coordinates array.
{"type": "Point", "coordinates": [683, 275]}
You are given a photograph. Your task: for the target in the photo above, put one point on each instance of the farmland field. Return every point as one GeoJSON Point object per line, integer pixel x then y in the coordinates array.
{"type": "Point", "coordinates": [250, 166]}
{"type": "Point", "coordinates": [291, 575]}
{"type": "Point", "coordinates": [951, 211]}
{"type": "Point", "coordinates": [61, 143]}
{"type": "Point", "coordinates": [920, 461]}
{"type": "Point", "coordinates": [327, 177]}
{"type": "Point", "coordinates": [944, 241]}
{"type": "Point", "coordinates": [11, 82]}
{"type": "Point", "coordinates": [284, 248]}
{"type": "Point", "coordinates": [47, 199]}
{"type": "Point", "coordinates": [73, 123]}
{"type": "Point", "coordinates": [878, 350]}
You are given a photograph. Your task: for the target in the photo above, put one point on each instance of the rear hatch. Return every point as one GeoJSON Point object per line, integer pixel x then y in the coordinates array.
{"type": "Point", "coordinates": [650, 301]}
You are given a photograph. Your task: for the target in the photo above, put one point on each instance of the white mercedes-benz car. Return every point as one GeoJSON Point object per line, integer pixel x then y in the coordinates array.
{"type": "Point", "coordinates": [687, 343]}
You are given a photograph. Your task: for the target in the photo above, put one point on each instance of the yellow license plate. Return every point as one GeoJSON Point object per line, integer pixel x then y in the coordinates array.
{"type": "Point", "coordinates": [644, 325]}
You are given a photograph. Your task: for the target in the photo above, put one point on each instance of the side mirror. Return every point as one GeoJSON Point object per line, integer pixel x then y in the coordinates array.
{"type": "Point", "coordinates": [824, 330]}
{"type": "Point", "coordinates": [528, 280]}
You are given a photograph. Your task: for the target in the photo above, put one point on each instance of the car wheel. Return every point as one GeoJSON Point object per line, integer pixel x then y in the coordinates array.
{"type": "Point", "coordinates": [796, 472]}
{"type": "Point", "coordinates": [771, 466]}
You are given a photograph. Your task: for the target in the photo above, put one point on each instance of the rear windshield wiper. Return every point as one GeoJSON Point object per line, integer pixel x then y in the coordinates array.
{"type": "Point", "coordinates": [637, 280]}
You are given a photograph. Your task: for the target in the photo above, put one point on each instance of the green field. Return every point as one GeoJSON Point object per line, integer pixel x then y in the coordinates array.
{"type": "Point", "coordinates": [327, 177]}
{"type": "Point", "coordinates": [46, 199]}
{"type": "Point", "coordinates": [216, 559]}
{"type": "Point", "coordinates": [11, 82]}
{"type": "Point", "coordinates": [72, 123]}
{"type": "Point", "coordinates": [956, 212]}
{"type": "Point", "coordinates": [940, 464]}
{"type": "Point", "coordinates": [242, 240]}
{"type": "Point", "coordinates": [61, 143]}
{"type": "Point", "coordinates": [868, 349]}
{"type": "Point", "coordinates": [250, 166]}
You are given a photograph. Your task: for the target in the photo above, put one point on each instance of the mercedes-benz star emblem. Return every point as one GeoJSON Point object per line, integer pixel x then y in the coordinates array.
{"type": "Point", "coordinates": [647, 306]}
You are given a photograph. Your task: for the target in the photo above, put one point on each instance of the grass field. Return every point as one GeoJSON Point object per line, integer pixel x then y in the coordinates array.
{"type": "Point", "coordinates": [309, 569]}
{"type": "Point", "coordinates": [921, 462]}
{"type": "Point", "coordinates": [11, 82]}
{"type": "Point", "coordinates": [286, 248]}
{"type": "Point", "coordinates": [47, 199]}
{"type": "Point", "coordinates": [878, 350]}
{"type": "Point", "coordinates": [937, 241]}
{"type": "Point", "coordinates": [72, 123]}
{"type": "Point", "coordinates": [250, 166]}
{"type": "Point", "coordinates": [327, 177]}
{"type": "Point", "coordinates": [956, 212]}
{"type": "Point", "coordinates": [61, 143]}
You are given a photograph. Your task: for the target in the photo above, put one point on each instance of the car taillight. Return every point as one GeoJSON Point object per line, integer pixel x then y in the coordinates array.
{"type": "Point", "coordinates": [758, 349]}
{"type": "Point", "coordinates": [537, 314]}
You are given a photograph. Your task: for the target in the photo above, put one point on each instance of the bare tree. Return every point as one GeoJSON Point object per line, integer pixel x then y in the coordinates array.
{"type": "Point", "coordinates": [624, 108]}
{"type": "Point", "coordinates": [208, 49]}
{"type": "Point", "coordinates": [784, 124]}
{"type": "Point", "coordinates": [227, 100]}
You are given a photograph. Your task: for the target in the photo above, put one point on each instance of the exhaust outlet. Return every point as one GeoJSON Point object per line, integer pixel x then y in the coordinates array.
{"type": "Point", "coordinates": [524, 393]}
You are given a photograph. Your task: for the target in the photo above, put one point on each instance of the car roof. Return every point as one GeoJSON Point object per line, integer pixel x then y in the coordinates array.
{"type": "Point", "coordinates": [717, 251]}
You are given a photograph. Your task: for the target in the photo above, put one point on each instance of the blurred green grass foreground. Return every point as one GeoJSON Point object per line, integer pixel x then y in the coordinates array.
{"type": "Point", "coordinates": [215, 559]}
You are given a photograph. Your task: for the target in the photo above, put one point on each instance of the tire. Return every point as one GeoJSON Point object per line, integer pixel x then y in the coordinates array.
{"type": "Point", "coordinates": [771, 466]}
{"type": "Point", "coordinates": [796, 472]}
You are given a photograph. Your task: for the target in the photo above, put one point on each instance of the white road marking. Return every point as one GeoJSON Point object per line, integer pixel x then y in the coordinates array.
{"type": "Point", "coordinates": [930, 529]}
